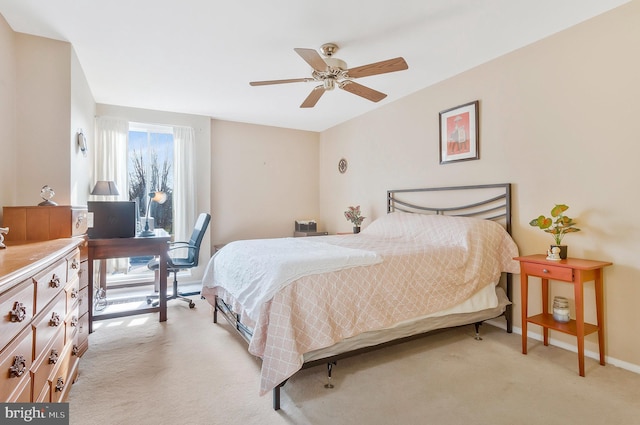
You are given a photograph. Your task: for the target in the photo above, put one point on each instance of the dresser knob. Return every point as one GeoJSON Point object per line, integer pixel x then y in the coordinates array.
{"type": "Point", "coordinates": [53, 357]}
{"type": "Point", "coordinates": [60, 385]}
{"type": "Point", "coordinates": [19, 312]}
{"type": "Point", "coordinates": [54, 282]}
{"type": "Point", "coordinates": [545, 271]}
{"type": "Point", "coordinates": [75, 264]}
{"type": "Point", "coordinates": [19, 366]}
{"type": "Point", "coordinates": [55, 319]}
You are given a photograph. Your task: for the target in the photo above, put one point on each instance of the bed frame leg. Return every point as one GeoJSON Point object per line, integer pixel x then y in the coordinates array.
{"type": "Point", "coordinates": [477, 325]}
{"type": "Point", "coordinates": [276, 396]}
{"type": "Point", "coordinates": [509, 317]}
{"type": "Point", "coordinates": [329, 369]}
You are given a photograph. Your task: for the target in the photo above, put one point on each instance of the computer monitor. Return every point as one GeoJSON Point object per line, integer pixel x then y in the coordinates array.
{"type": "Point", "coordinates": [112, 219]}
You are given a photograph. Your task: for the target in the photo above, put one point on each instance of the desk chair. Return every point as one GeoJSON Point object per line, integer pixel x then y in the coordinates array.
{"type": "Point", "coordinates": [175, 264]}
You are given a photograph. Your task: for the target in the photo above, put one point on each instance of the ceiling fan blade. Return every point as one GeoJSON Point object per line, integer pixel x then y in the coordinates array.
{"type": "Point", "coordinates": [313, 97]}
{"type": "Point", "coordinates": [294, 80]}
{"type": "Point", "coordinates": [362, 91]}
{"type": "Point", "coordinates": [313, 58]}
{"type": "Point", "coordinates": [390, 65]}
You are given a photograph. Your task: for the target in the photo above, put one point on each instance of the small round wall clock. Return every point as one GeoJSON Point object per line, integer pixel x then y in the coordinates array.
{"type": "Point", "coordinates": [342, 166]}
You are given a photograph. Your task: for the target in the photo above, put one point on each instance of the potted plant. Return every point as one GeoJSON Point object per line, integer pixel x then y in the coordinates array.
{"type": "Point", "coordinates": [354, 215]}
{"type": "Point", "coordinates": [558, 225]}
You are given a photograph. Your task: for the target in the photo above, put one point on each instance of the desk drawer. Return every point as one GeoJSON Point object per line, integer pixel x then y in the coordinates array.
{"type": "Point", "coordinates": [546, 271]}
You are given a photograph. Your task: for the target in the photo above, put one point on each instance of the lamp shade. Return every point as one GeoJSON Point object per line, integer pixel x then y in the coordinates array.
{"type": "Point", "coordinates": [105, 188]}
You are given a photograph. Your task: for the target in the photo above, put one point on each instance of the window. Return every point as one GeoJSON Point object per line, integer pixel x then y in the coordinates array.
{"type": "Point", "coordinates": [149, 169]}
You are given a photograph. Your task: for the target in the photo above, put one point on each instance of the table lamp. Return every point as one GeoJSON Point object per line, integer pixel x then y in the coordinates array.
{"type": "Point", "coordinates": [105, 188]}
{"type": "Point", "coordinates": [159, 197]}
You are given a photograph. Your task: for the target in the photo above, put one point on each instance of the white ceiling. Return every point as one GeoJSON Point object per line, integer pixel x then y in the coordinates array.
{"type": "Point", "coordinates": [198, 56]}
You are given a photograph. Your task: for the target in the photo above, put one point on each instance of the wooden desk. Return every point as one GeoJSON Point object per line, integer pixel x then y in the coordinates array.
{"type": "Point", "coordinates": [571, 270]}
{"type": "Point", "coordinates": [101, 249]}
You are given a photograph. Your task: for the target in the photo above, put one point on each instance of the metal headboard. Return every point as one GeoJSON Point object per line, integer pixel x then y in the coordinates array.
{"type": "Point", "coordinates": [488, 201]}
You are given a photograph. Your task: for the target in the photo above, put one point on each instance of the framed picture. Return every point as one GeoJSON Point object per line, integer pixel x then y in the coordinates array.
{"type": "Point", "coordinates": [459, 139]}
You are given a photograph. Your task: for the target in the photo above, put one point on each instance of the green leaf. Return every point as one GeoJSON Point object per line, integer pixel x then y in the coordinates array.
{"type": "Point", "coordinates": [541, 222]}
{"type": "Point", "coordinates": [571, 230]}
{"type": "Point", "coordinates": [558, 210]}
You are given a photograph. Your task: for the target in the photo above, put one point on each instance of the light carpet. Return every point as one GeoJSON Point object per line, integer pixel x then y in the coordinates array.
{"type": "Point", "coordinates": [190, 371]}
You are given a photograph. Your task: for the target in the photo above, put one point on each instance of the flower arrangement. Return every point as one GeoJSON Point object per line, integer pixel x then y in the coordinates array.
{"type": "Point", "coordinates": [558, 224]}
{"type": "Point", "coordinates": [354, 215]}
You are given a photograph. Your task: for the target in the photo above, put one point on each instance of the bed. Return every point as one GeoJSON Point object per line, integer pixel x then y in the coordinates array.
{"type": "Point", "coordinates": [303, 302]}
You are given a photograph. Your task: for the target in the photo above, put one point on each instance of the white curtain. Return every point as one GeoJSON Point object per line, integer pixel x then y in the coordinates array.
{"type": "Point", "coordinates": [184, 191]}
{"type": "Point", "coordinates": [110, 160]}
{"type": "Point", "coordinates": [110, 163]}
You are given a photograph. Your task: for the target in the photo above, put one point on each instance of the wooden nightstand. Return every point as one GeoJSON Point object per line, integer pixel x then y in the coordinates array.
{"type": "Point", "coordinates": [574, 271]}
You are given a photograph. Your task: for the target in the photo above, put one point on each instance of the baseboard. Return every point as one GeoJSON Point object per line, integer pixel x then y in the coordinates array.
{"type": "Point", "coordinates": [569, 347]}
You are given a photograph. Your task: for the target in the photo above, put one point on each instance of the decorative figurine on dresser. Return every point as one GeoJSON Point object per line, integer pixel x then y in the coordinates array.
{"type": "Point", "coordinates": [3, 231]}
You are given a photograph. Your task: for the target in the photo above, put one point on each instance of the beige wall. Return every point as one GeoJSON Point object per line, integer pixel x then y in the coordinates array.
{"type": "Point", "coordinates": [8, 145]}
{"type": "Point", "coordinates": [83, 110]}
{"type": "Point", "coordinates": [43, 118]}
{"type": "Point", "coordinates": [45, 100]}
{"type": "Point", "coordinates": [557, 119]}
{"type": "Point", "coordinates": [262, 180]}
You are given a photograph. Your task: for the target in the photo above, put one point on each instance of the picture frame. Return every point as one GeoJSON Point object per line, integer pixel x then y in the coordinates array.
{"type": "Point", "coordinates": [459, 133]}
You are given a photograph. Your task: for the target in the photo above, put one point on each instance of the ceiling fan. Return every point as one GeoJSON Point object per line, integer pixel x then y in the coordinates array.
{"type": "Point", "coordinates": [333, 72]}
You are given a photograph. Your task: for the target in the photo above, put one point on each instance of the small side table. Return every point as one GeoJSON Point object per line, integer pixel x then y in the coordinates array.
{"type": "Point", "coordinates": [572, 270]}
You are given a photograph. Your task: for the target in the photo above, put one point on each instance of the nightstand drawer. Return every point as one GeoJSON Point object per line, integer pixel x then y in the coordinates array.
{"type": "Point", "coordinates": [546, 271]}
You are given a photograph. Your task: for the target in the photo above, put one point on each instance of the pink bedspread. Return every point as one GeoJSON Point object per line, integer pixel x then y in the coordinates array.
{"type": "Point", "coordinates": [430, 263]}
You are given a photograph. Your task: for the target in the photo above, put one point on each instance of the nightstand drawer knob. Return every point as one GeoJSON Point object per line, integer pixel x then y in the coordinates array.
{"type": "Point", "coordinates": [545, 271]}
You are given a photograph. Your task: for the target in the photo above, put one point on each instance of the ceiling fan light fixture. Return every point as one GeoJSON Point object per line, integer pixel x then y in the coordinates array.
{"type": "Point", "coordinates": [336, 63]}
{"type": "Point", "coordinates": [329, 84]}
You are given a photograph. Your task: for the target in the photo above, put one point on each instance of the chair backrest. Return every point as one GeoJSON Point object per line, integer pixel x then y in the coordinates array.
{"type": "Point", "coordinates": [199, 230]}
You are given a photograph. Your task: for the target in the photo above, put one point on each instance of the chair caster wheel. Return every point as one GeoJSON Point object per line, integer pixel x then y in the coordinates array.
{"type": "Point", "coordinates": [192, 305]}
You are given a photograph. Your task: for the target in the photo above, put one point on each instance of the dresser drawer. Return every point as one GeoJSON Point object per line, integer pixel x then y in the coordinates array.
{"type": "Point", "coordinates": [73, 265]}
{"type": "Point", "coordinates": [47, 323]}
{"type": "Point", "coordinates": [72, 294]}
{"type": "Point", "coordinates": [71, 324]}
{"type": "Point", "coordinates": [45, 364]}
{"type": "Point", "coordinates": [83, 300]}
{"type": "Point", "coordinates": [22, 393]}
{"type": "Point", "coordinates": [548, 271]}
{"type": "Point", "coordinates": [15, 362]}
{"type": "Point", "coordinates": [78, 221]}
{"type": "Point", "coordinates": [83, 334]}
{"type": "Point", "coordinates": [16, 306]}
{"type": "Point", "coordinates": [63, 375]}
{"type": "Point", "coordinates": [39, 223]}
{"type": "Point", "coordinates": [49, 283]}
{"type": "Point", "coordinates": [83, 273]}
